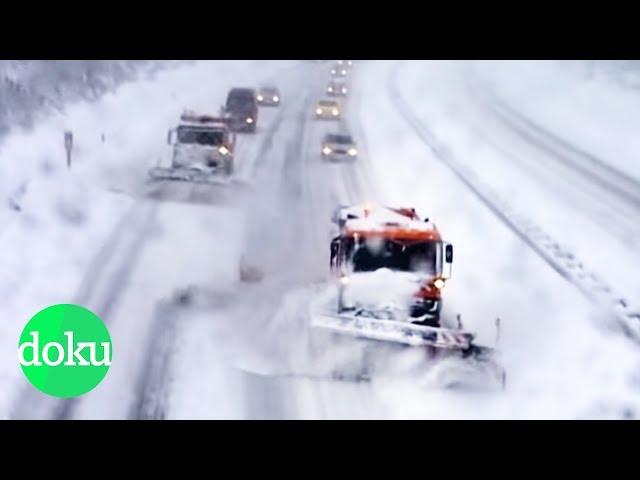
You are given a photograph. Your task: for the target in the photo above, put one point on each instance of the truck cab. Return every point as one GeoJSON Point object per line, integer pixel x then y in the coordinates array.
{"type": "Point", "coordinates": [202, 142]}
{"type": "Point", "coordinates": [408, 249]}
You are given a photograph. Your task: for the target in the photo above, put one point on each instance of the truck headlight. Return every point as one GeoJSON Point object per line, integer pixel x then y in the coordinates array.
{"type": "Point", "coordinates": [330, 89]}
{"type": "Point", "coordinates": [319, 111]}
{"type": "Point", "coordinates": [344, 280]}
{"type": "Point", "coordinates": [276, 98]}
{"type": "Point", "coordinates": [344, 90]}
{"type": "Point", "coordinates": [335, 112]}
{"type": "Point", "coordinates": [223, 150]}
{"type": "Point", "coordinates": [344, 72]}
{"type": "Point", "coordinates": [439, 283]}
{"type": "Point", "coordinates": [260, 98]}
{"type": "Point", "coordinates": [353, 152]}
{"type": "Point", "coordinates": [249, 120]}
{"type": "Point", "coordinates": [326, 151]}
{"type": "Point", "coordinates": [333, 72]}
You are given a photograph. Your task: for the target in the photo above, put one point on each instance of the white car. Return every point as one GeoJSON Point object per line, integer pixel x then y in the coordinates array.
{"type": "Point", "coordinates": [328, 110]}
{"type": "Point", "coordinates": [339, 147]}
{"type": "Point", "coordinates": [339, 71]}
{"type": "Point", "coordinates": [268, 97]}
{"type": "Point", "coordinates": [337, 89]}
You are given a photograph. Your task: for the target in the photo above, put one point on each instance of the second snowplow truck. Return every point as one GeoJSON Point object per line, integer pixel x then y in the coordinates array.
{"type": "Point", "coordinates": [203, 149]}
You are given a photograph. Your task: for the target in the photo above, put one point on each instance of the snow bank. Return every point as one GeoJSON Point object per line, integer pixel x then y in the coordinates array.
{"type": "Point", "coordinates": [559, 363]}
{"type": "Point", "coordinates": [47, 247]}
{"type": "Point", "coordinates": [53, 222]}
{"type": "Point", "coordinates": [592, 107]}
{"type": "Point", "coordinates": [118, 138]}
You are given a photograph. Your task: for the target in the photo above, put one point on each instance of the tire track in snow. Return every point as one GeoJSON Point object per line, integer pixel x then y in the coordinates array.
{"type": "Point", "coordinates": [592, 168]}
{"type": "Point", "coordinates": [564, 262]}
{"type": "Point", "coordinates": [104, 282]}
{"type": "Point", "coordinates": [612, 197]}
{"type": "Point", "coordinates": [153, 385]}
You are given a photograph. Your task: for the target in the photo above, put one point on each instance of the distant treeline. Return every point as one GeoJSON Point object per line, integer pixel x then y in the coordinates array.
{"type": "Point", "coordinates": [29, 88]}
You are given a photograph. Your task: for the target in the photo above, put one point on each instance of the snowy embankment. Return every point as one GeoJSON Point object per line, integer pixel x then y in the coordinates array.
{"type": "Point", "coordinates": [560, 364]}
{"type": "Point", "coordinates": [589, 104]}
{"type": "Point", "coordinates": [30, 90]}
{"type": "Point", "coordinates": [57, 220]}
{"type": "Point", "coordinates": [574, 210]}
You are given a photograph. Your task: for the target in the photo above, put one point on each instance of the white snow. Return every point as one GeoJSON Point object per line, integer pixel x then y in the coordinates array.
{"type": "Point", "coordinates": [375, 291]}
{"type": "Point", "coordinates": [556, 357]}
{"type": "Point", "coordinates": [65, 218]}
{"type": "Point", "coordinates": [239, 357]}
{"type": "Point", "coordinates": [593, 110]}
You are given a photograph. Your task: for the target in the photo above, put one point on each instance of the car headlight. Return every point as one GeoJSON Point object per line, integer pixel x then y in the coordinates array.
{"type": "Point", "coordinates": [333, 72]}
{"type": "Point", "coordinates": [344, 90]}
{"type": "Point", "coordinates": [223, 150]}
{"type": "Point", "coordinates": [326, 151]}
{"type": "Point", "coordinates": [260, 98]}
{"type": "Point", "coordinates": [439, 283]}
{"type": "Point", "coordinates": [344, 72]}
{"type": "Point", "coordinates": [330, 89]}
{"type": "Point", "coordinates": [276, 98]}
{"type": "Point", "coordinates": [344, 280]}
{"type": "Point", "coordinates": [352, 151]}
{"type": "Point", "coordinates": [335, 112]}
{"type": "Point", "coordinates": [249, 120]}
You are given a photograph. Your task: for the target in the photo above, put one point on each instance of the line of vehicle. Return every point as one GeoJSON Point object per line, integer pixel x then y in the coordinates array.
{"type": "Point", "coordinates": [307, 184]}
{"type": "Point", "coordinates": [153, 388]}
{"type": "Point", "coordinates": [564, 262]}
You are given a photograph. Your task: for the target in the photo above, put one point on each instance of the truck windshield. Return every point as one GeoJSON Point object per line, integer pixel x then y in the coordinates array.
{"type": "Point", "coordinates": [396, 255]}
{"type": "Point", "coordinates": [200, 136]}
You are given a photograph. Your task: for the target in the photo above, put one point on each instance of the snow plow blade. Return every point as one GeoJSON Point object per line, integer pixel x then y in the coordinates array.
{"type": "Point", "coordinates": [394, 331]}
{"type": "Point", "coordinates": [189, 175]}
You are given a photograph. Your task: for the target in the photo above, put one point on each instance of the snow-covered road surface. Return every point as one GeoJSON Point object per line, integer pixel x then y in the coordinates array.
{"type": "Point", "coordinates": [166, 229]}
{"type": "Point", "coordinates": [234, 349]}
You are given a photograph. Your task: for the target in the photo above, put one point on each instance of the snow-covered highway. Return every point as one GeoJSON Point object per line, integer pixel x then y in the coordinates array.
{"type": "Point", "coordinates": [162, 263]}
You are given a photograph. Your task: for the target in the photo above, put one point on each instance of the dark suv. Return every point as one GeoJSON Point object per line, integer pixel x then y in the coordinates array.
{"type": "Point", "coordinates": [242, 110]}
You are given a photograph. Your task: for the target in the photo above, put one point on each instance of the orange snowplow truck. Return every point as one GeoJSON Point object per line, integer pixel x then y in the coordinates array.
{"type": "Point", "coordinates": [397, 239]}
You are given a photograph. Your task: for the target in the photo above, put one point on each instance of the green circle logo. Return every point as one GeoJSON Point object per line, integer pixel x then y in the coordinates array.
{"type": "Point", "coordinates": [65, 350]}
